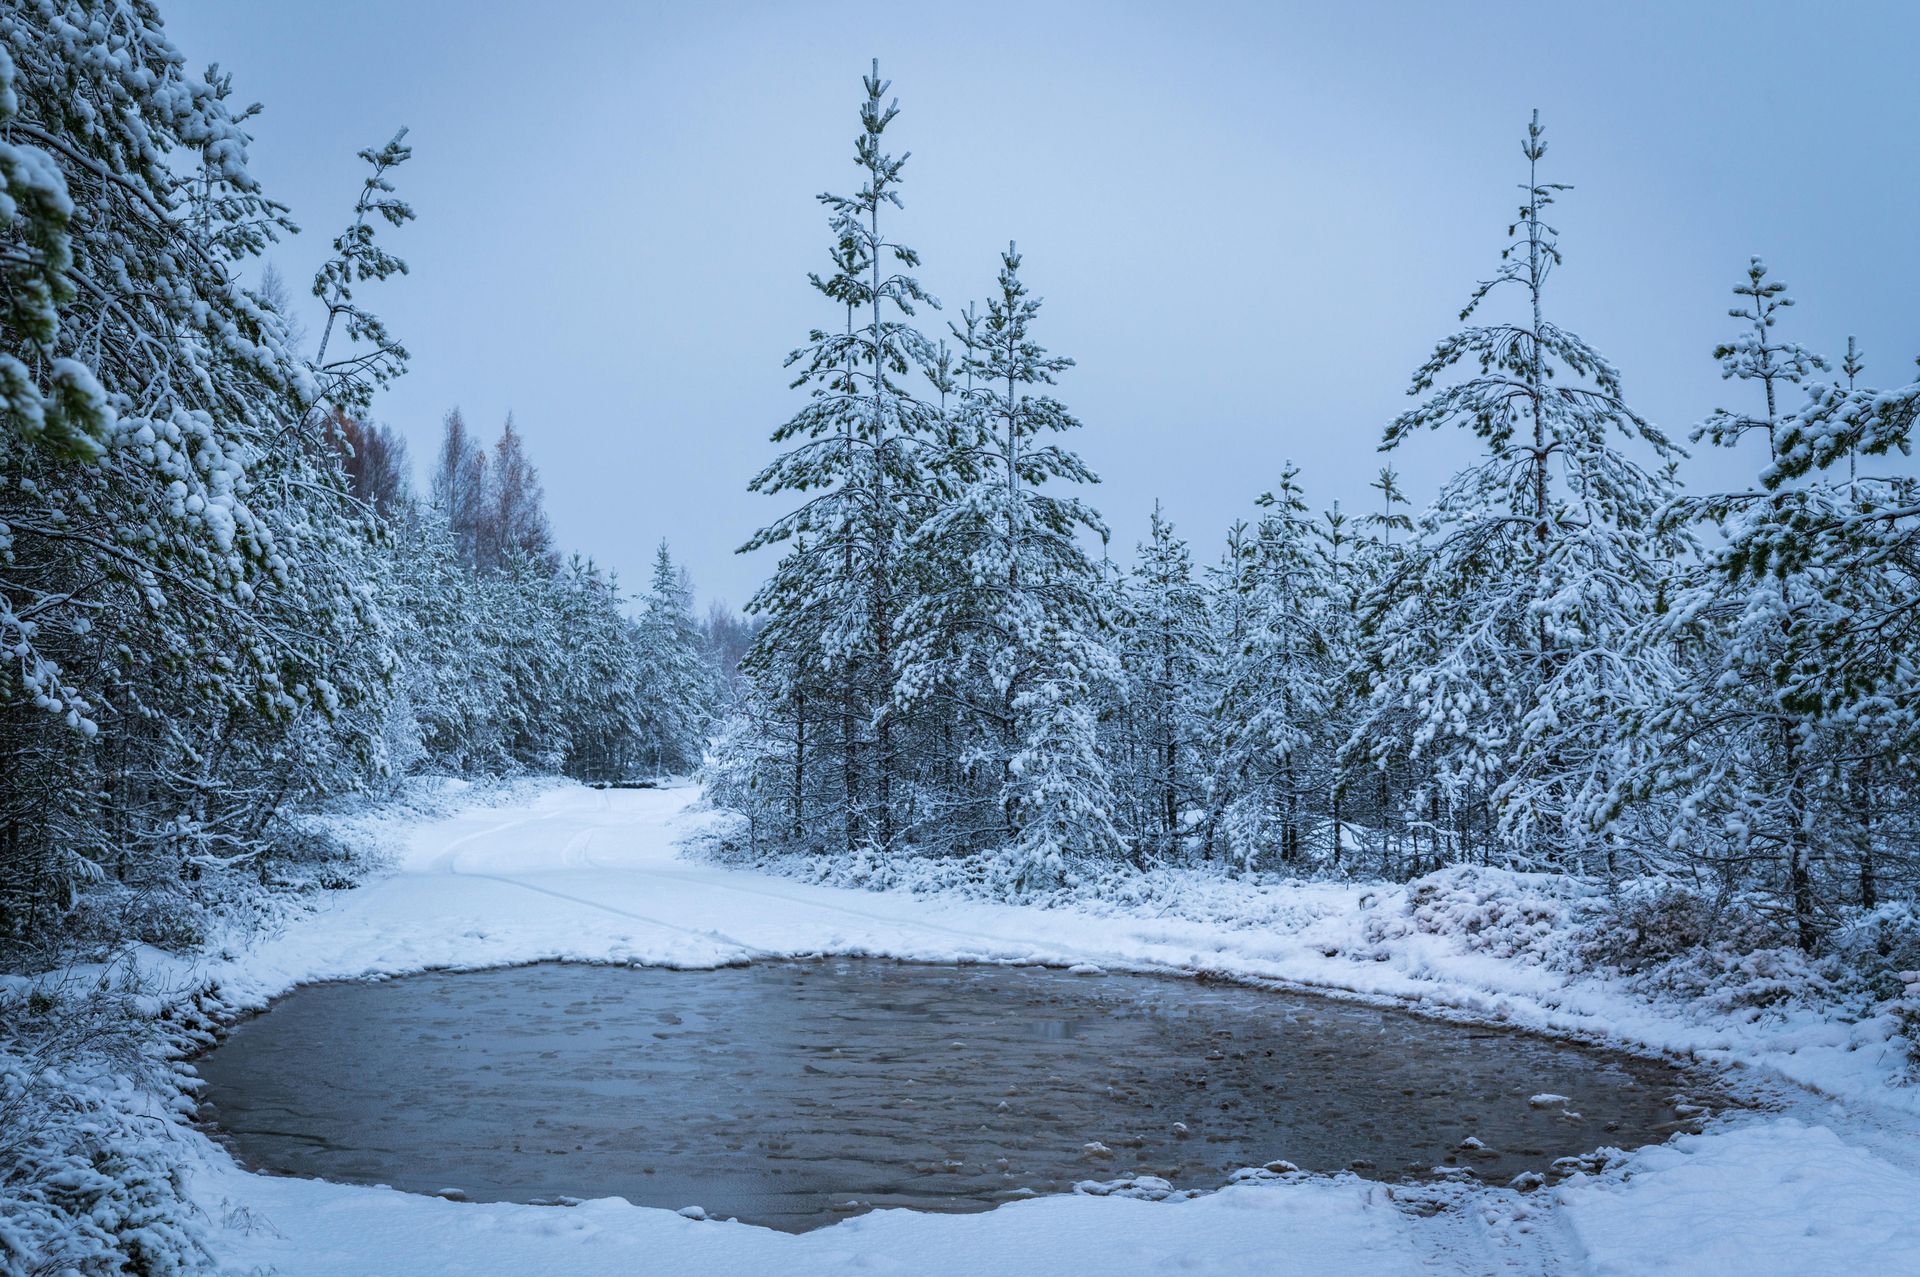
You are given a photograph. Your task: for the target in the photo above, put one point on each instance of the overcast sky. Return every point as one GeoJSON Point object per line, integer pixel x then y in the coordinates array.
{"type": "Point", "coordinates": [1249, 222]}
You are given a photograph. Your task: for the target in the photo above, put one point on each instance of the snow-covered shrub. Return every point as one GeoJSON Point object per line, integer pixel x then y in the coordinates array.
{"type": "Point", "coordinates": [1646, 922]}
{"type": "Point", "coordinates": [1881, 947]}
{"type": "Point", "coordinates": [1881, 950]}
{"type": "Point", "coordinates": [298, 856]}
{"type": "Point", "coordinates": [1500, 912]}
{"type": "Point", "coordinates": [1906, 1014]}
{"type": "Point", "coordinates": [161, 914]}
{"type": "Point", "coordinates": [1774, 977]}
{"type": "Point", "coordinates": [1732, 952]}
{"type": "Point", "coordinates": [90, 1180]}
{"type": "Point", "coordinates": [1726, 950]}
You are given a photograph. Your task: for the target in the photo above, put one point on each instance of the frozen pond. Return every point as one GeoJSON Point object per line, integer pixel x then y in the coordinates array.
{"type": "Point", "coordinates": [790, 1093]}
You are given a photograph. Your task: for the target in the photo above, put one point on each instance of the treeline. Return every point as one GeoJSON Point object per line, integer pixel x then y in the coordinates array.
{"type": "Point", "coordinates": [513, 659]}
{"type": "Point", "coordinates": [1566, 662]}
{"type": "Point", "coordinates": [219, 601]}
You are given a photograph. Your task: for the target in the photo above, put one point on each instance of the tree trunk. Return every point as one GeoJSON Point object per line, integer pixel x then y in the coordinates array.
{"type": "Point", "coordinates": [799, 763]}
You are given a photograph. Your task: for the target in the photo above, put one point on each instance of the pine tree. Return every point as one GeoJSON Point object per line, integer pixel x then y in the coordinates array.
{"type": "Point", "coordinates": [1775, 750]}
{"type": "Point", "coordinates": [1008, 631]}
{"type": "Point", "coordinates": [1756, 355]}
{"type": "Point", "coordinates": [184, 591]}
{"type": "Point", "coordinates": [1167, 651]}
{"type": "Point", "coordinates": [1279, 689]}
{"type": "Point", "coordinates": [1502, 643]}
{"type": "Point", "coordinates": [674, 678]}
{"type": "Point", "coordinates": [372, 355]}
{"type": "Point", "coordinates": [856, 451]}
{"type": "Point", "coordinates": [1854, 663]}
{"type": "Point", "coordinates": [796, 694]}
{"type": "Point", "coordinates": [1341, 563]}
{"type": "Point", "coordinates": [1730, 742]}
{"type": "Point", "coordinates": [1368, 778]}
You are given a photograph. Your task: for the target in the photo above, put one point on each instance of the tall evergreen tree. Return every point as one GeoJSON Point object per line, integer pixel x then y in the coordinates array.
{"type": "Point", "coordinates": [856, 452]}
{"type": "Point", "coordinates": [1370, 779]}
{"type": "Point", "coordinates": [1279, 689]}
{"type": "Point", "coordinates": [1009, 631]}
{"type": "Point", "coordinates": [1766, 749]}
{"type": "Point", "coordinates": [193, 646]}
{"type": "Point", "coordinates": [1502, 643]}
{"type": "Point", "coordinates": [368, 355]}
{"type": "Point", "coordinates": [1757, 355]}
{"type": "Point", "coordinates": [675, 680]}
{"type": "Point", "coordinates": [1167, 650]}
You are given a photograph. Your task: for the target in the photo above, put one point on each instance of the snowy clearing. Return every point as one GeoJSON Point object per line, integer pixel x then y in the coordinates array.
{"type": "Point", "coordinates": [592, 875]}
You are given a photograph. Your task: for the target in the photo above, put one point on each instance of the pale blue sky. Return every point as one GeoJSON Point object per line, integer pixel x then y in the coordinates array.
{"type": "Point", "coordinates": [1249, 221]}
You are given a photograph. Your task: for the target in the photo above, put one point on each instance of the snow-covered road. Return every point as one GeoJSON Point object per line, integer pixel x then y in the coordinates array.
{"type": "Point", "coordinates": [591, 875]}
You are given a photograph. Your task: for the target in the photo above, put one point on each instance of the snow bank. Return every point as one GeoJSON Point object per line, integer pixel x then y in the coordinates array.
{"type": "Point", "coordinates": [1327, 1228]}
{"type": "Point", "coordinates": [1778, 1197]}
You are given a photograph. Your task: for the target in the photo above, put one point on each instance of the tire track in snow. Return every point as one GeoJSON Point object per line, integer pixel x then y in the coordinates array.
{"type": "Point", "coordinates": [446, 861]}
{"type": "Point", "coordinates": [723, 937]}
{"type": "Point", "coordinates": [573, 853]}
{"type": "Point", "coordinates": [1021, 950]}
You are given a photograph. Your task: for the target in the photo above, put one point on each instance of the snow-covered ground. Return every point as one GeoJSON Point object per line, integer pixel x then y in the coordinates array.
{"type": "Point", "coordinates": [1826, 1177]}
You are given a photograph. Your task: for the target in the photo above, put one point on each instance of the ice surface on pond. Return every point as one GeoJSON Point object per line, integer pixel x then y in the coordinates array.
{"type": "Point", "coordinates": [794, 1093]}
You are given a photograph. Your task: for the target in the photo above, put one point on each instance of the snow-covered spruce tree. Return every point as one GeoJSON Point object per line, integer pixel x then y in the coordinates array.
{"type": "Point", "coordinates": [601, 701]}
{"type": "Point", "coordinates": [1274, 766]}
{"type": "Point", "coordinates": [1166, 638]}
{"type": "Point", "coordinates": [1341, 564]}
{"type": "Point", "coordinates": [1368, 782]}
{"type": "Point", "coordinates": [1228, 583]}
{"type": "Point", "coordinates": [832, 601]}
{"type": "Point", "coordinates": [1499, 652]}
{"type": "Point", "coordinates": [1005, 632]}
{"type": "Point", "coordinates": [451, 677]}
{"type": "Point", "coordinates": [522, 623]}
{"type": "Point", "coordinates": [676, 685]}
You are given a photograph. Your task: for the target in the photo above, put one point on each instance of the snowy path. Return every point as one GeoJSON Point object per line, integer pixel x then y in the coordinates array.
{"type": "Point", "coordinates": [592, 875]}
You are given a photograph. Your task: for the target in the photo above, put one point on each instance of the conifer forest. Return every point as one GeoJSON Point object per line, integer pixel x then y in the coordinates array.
{"type": "Point", "coordinates": [1575, 736]}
